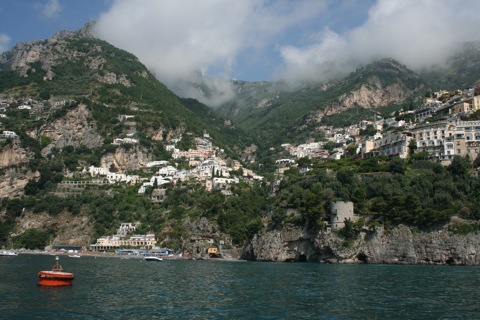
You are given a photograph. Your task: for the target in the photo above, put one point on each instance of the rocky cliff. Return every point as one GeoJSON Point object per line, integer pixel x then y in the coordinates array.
{"type": "Point", "coordinates": [13, 154]}
{"type": "Point", "coordinates": [75, 129]}
{"type": "Point", "coordinates": [374, 94]}
{"type": "Point", "coordinates": [48, 53]}
{"type": "Point", "coordinates": [123, 160]}
{"type": "Point", "coordinates": [70, 229]}
{"type": "Point", "coordinates": [400, 245]}
{"type": "Point", "coordinates": [13, 181]}
{"type": "Point", "coordinates": [14, 175]}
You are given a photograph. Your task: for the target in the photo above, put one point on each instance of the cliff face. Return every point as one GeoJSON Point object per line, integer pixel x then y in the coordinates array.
{"type": "Point", "coordinates": [47, 52]}
{"type": "Point", "coordinates": [400, 245]}
{"type": "Point", "coordinates": [76, 128]}
{"type": "Point", "coordinates": [70, 229]}
{"type": "Point", "coordinates": [13, 181]}
{"type": "Point", "coordinates": [374, 95]}
{"type": "Point", "coordinates": [13, 154]}
{"type": "Point", "coordinates": [122, 160]}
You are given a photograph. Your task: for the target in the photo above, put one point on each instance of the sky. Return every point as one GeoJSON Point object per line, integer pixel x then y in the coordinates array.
{"type": "Point", "coordinates": [254, 40]}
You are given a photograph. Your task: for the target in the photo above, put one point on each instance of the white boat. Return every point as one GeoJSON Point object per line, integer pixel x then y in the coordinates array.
{"type": "Point", "coordinates": [74, 256]}
{"type": "Point", "coordinates": [8, 253]}
{"type": "Point", "coordinates": [153, 258]}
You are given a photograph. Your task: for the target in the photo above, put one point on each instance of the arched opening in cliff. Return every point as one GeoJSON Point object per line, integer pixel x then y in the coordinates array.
{"type": "Point", "coordinates": [325, 254]}
{"type": "Point", "coordinates": [302, 258]}
{"type": "Point", "coordinates": [362, 257]}
{"type": "Point", "coordinates": [248, 255]}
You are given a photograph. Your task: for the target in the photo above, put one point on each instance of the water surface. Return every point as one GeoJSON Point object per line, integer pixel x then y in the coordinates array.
{"type": "Point", "coordinates": [113, 288]}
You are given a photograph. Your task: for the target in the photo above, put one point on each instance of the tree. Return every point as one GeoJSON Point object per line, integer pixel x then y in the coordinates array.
{"type": "Point", "coordinates": [412, 146]}
{"type": "Point", "coordinates": [304, 162]}
{"type": "Point", "coordinates": [460, 166]}
{"type": "Point", "coordinates": [345, 176]}
{"type": "Point", "coordinates": [329, 146]}
{"type": "Point", "coordinates": [351, 150]}
{"type": "Point", "coordinates": [397, 165]}
{"type": "Point", "coordinates": [368, 131]}
{"type": "Point", "coordinates": [31, 239]}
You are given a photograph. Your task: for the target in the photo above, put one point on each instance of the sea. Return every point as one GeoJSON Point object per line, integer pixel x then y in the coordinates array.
{"type": "Point", "coordinates": [114, 288]}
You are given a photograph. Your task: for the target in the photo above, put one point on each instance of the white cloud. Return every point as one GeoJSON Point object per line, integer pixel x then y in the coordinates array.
{"type": "Point", "coordinates": [417, 33]}
{"type": "Point", "coordinates": [51, 9]}
{"type": "Point", "coordinates": [4, 42]}
{"type": "Point", "coordinates": [178, 39]}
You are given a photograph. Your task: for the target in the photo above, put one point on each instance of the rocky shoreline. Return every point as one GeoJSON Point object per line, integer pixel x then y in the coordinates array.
{"type": "Point", "coordinates": [400, 245]}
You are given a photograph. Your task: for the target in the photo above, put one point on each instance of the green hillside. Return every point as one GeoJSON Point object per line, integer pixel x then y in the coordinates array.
{"type": "Point", "coordinates": [288, 115]}
{"type": "Point", "coordinates": [133, 91]}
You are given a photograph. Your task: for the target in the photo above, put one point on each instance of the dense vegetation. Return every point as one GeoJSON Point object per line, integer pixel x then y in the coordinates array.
{"type": "Point", "coordinates": [385, 191]}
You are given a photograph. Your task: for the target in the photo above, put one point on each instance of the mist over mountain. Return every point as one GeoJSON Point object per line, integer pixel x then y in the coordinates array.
{"type": "Point", "coordinates": [292, 42]}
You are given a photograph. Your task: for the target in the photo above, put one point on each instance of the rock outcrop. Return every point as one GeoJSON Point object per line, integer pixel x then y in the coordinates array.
{"type": "Point", "coordinates": [400, 245]}
{"type": "Point", "coordinates": [374, 95]}
{"type": "Point", "coordinates": [13, 181]}
{"type": "Point", "coordinates": [12, 154]}
{"type": "Point", "coordinates": [69, 229]}
{"type": "Point", "coordinates": [124, 159]}
{"type": "Point", "coordinates": [76, 128]}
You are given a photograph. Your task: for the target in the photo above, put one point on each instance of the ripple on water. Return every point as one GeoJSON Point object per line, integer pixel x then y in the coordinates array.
{"type": "Point", "coordinates": [112, 288]}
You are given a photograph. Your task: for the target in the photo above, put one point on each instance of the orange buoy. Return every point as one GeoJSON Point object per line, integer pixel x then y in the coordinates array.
{"type": "Point", "coordinates": [55, 277]}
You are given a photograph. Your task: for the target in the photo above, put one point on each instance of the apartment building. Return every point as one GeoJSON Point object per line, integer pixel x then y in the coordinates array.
{"type": "Point", "coordinates": [431, 137]}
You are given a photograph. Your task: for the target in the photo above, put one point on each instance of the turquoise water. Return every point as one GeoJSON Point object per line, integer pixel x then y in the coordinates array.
{"type": "Point", "coordinates": [112, 288]}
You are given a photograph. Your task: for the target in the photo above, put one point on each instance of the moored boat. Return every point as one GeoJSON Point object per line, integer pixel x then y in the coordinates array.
{"type": "Point", "coordinates": [153, 258]}
{"type": "Point", "coordinates": [8, 253]}
{"type": "Point", "coordinates": [55, 277]}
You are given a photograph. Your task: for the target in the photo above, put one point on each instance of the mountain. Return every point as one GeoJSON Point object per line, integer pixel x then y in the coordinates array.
{"type": "Point", "coordinates": [278, 115]}
{"type": "Point", "coordinates": [461, 70]}
{"type": "Point", "coordinates": [76, 67]}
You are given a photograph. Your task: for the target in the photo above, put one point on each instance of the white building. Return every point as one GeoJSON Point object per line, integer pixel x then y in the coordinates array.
{"type": "Point", "coordinates": [9, 134]}
{"type": "Point", "coordinates": [95, 171]}
{"type": "Point", "coordinates": [167, 171]}
{"type": "Point", "coordinates": [157, 163]}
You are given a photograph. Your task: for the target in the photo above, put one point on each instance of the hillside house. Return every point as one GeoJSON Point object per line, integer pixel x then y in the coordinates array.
{"type": "Point", "coordinates": [96, 171]}
{"type": "Point", "coordinates": [157, 163]}
{"type": "Point", "coordinates": [120, 141]}
{"type": "Point", "coordinates": [393, 144]}
{"type": "Point", "coordinates": [158, 195]}
{"type": "Point", "coordinates": [432, 137]}
{"type": "Point", "coordinates": [167, 171]}
{"type": "Point", "coordinates": [465, 141]}
{"type": "Point", "coordinates": [127, 227]}
{"type": "Point", "coordinates": [9, 134]}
